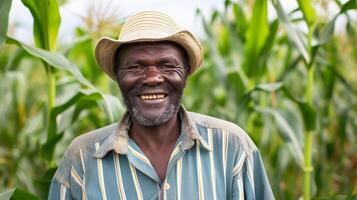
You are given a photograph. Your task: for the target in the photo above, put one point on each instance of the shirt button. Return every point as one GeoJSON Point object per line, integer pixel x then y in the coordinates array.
{"type": "Point", "coordinates": [166, 186]}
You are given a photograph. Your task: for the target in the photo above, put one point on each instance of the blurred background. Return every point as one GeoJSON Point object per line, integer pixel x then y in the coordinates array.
{"type": "Point", "coordinates": [284, 71]}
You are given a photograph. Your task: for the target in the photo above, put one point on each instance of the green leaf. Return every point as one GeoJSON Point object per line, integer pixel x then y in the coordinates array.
{"type": "Point", "coordinates": [337, 197]}
{"type": "Point", "coordinates": [47, 20]}
{"type": "Point", "coordinates": [7, 195]}
{"type": "Point", "coordinates": [256, 36]}
{"type": "Point", "coordinates": [17, 194]}
{"type": "Point", "coordinates": [308, 11]}
{"type": "Point", "coordinates": [240, 21]}
{"type": "Point", "coordinates": [307, 111]}
{"type": "Point", "coordinates": [287, 132]}
{"type": "Point", "coordinates": [113, 107]}
{"type": "Point", "coordinates": [43, 183]}
{"type": "Point", "coordinates": [48, 148]}
{"type": "Point", "coordinates": [224, 40]}
{"type": "Point", "coordinates": [110, 104]}
{"type": "Point", "coordinates": [295, 35]}
{"type": "Point", "coordinates": [81, 106]}
{"type": "Point", "coordinates": [349, 5]}
{"type": "Point", "coordinates": [271, 37]}
{"type": "Point", "coordinates": [53, 59]}
{"type": "Point", "coordinates": [236, 82]}
{"type": "Point", "coordinates": [216, 57]}
{"type": "Point", "coordinates": [327, 32]}
{"type": "Point", "coordinates": [60, 62]}
{"type": "Point", "coordinates": [5, 6]}
{"type": "Point", "coordinates": [309, 116]}
{"type": "Point", "coordinates": [269, 87]}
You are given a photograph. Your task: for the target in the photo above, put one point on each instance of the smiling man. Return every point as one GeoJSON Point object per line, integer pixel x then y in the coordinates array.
{"type": "Point", "coordinates": [159, 150]}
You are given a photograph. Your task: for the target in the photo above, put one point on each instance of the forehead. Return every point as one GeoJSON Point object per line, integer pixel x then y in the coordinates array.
{"type": "Point", "coordinates": [150, 49]}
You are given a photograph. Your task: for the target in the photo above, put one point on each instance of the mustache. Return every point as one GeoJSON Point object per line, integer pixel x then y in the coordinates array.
{"type": "Point", "coordinates": [138, 89]}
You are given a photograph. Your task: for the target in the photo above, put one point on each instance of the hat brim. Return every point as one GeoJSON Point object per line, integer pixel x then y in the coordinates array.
{"type": "Point", "coordinates": [106, 49]}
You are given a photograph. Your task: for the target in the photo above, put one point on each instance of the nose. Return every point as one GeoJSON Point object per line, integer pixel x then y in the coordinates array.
{"type": "Point", "coordinates": [152, 76]}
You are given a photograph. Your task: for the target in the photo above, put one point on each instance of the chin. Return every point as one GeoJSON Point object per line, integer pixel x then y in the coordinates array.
{"type": "Point", "coordinates": [157, 119]}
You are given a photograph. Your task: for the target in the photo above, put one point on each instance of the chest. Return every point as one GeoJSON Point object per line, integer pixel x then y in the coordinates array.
{"type": "Point", "coordinates": [159, 160]}
{"type": "Point", "coordinates": [187, 175]}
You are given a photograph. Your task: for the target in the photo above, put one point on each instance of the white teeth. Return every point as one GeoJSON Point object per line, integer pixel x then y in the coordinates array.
{"type": "Point", "coordinates": [152, 97]}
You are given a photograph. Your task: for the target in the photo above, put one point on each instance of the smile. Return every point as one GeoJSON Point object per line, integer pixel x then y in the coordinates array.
{"type": "Point", "coordinates": [152, 96]}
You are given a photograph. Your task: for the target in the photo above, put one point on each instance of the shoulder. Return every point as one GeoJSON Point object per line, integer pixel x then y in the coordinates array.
{"type": "Point", "coordinates": [72, 160]}
{"type": "Point", "coordinates": [238, 135]}
{"type": "Point", "coordinates": [90, 138]}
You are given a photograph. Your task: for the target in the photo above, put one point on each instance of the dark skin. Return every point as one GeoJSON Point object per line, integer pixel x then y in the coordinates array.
{"type": "Point", "coordinates": [150, 68]}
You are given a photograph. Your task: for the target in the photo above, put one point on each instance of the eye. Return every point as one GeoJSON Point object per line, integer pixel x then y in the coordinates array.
{"type": "Point", "coordinates": [135, 67]}
{"type": "Point", "coordinates": [167, 67]}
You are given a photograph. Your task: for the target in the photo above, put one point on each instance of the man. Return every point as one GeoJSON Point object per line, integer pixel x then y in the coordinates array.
{"type": "Point", "coordinates": [158, 150]}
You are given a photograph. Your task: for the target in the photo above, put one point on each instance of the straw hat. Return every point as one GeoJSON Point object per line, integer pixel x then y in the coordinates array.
{"type": "Point", "coordinates": [148, 26]}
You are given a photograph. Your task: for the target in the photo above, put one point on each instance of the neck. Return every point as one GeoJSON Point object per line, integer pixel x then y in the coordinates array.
{"type": "Point", "coordinates": [156, 137]}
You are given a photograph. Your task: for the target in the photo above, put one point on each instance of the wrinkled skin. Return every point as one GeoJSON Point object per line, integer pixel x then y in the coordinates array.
{"type": "Point", "coordinates": [151, 69]}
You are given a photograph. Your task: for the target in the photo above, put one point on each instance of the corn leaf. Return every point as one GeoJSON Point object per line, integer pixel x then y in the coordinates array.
{"type": "Point", "coordinates": [240, 21]}
{"type": "Point", "coordinates": [256, 36]}
{"type": "Point", "coordinates": [111, 105]}
{"type": "Point", "coordinates": [308, 11]}
{"type": "Point", "coordinates": [224, 43]}
{"type": "Point", "coordinates": [265, 87]}
{"type": "Point", "coordinates": [287, 132]}
{"type": "Point", "coordinates": [269, 87]}
{"type": "Point", "coordinates": [236, 81]}
{"type": "Point", "coordinates": [296, 36]}
{"type": "Point", "coordinates": [309, 116]}
{"type": "Point", "coordinates": [72, 101]}
{"type": "Point", "coordinates": [5, 6]}
{"type": "Point", "coordinates": [212, 45]}
{"type": "Point", "coordinates": [17, 194]}
{"type": "Point", "coordinates": [47, 20]}
{"type": "Point", "coordinates": [7, 195]}
{"type": "Point", "coordinates": [308, 112]}
{"type": "Point", "coordinates": [328, 30]}
{"type": "Point", "coordinates": [60, 62]}
{"type": "Point", "coordinates": [43, 183]}
{"type": "Point", "coordinates": [56, 60]}
{"type": "Point", "coordinates": [271, 37]}
{"type": "Point", "coordinates": [349, 5]}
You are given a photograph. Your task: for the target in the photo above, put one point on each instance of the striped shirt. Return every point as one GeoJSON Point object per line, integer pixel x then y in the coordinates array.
{"type": "Point", "coordinates": [212, 159]}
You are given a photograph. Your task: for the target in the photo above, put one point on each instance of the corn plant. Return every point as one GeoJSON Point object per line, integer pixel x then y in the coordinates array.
{"type": "Point", "coordinates": [271, 78]}
{"type": "Point", "coordinates": [38, 127]}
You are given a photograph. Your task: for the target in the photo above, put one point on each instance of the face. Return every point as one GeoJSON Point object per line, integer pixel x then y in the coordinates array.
{"type": "Point", "coordinates": [151, 77]}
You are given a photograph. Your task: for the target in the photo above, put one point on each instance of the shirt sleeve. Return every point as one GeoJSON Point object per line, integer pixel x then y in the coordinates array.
{"type": "Point", "coordinates": [250, 180]}
{"type": "Point", "coordinates": [58, 191]}
{"type": "Point", "coordinates": [67, 183]}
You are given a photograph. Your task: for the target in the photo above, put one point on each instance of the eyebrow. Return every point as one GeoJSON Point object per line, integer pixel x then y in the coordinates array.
{"type": "Point", "coordinates": [160, 60]}
{"type": "Point", "coordinates": [168, 59]}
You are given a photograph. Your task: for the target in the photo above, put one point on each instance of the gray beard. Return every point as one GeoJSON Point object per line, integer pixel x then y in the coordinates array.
{"type": "Point", "coordinates": [156, 121]}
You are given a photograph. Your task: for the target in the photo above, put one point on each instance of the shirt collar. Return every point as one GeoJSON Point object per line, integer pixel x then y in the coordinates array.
{"type": "Point", "coordinates": [118, 141]}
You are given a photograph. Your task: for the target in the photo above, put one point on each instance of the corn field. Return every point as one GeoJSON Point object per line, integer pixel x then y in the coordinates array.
{"type": "Point", "coordinates": [290, 81]}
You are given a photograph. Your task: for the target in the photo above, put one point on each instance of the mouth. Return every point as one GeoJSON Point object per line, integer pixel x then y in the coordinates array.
{"type": "Point", "coordinates": [153, 96]}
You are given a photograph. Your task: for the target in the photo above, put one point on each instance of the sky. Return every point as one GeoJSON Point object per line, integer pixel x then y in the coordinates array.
{"type": "Point", "coordinates": [183, 12]}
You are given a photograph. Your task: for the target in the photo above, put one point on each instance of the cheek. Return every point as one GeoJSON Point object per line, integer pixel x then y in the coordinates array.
{"type": "Point", "coordinates": [127, 82]}
{"type": "Point", "coordinates": [177, 81]}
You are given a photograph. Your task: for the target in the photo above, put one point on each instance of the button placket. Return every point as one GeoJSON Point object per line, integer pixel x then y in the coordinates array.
{"type": "Point", "coordinates": [166, 186]}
